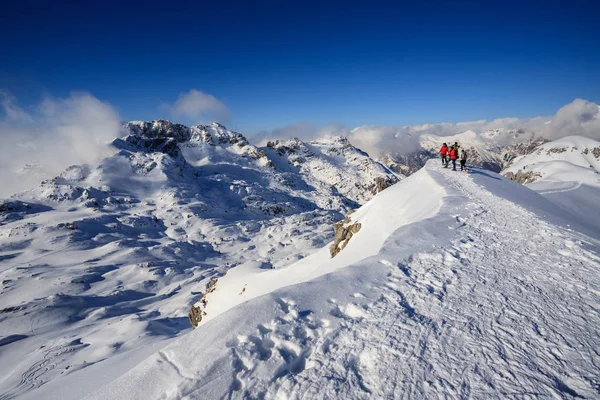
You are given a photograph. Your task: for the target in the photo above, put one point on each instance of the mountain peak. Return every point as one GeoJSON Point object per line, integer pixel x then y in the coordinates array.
{"type": "Point", "coordinates": [212, 134]}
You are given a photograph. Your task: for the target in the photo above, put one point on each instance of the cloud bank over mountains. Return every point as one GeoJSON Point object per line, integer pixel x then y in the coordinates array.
{"type": "Point", "coordinates": [58, 132]}
{"type": "Point", "coordinates": [41, 141]}
{"type": "Point", "coordinates": [581, 117]}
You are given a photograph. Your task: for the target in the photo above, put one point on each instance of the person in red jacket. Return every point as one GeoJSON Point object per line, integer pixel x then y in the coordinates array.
{"type": "Point", "coordinates": [444, 153]}
{"type": "Point", "coordinates": [453, 157]}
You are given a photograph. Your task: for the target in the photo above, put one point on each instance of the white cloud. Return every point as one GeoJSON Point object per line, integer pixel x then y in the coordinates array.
{"type": "Point", "coordinates": [302, 130]}
{"type": "Point", "coordinates": [581, 117]}
{"type": "Point", "coordinates": [59, 132]}
{"type": "Point", "coordinates": [378, 140]}
{"type": "Point", "coordinates": [12, 112]}
{"type": "Point", "coordinates": [197, 106]}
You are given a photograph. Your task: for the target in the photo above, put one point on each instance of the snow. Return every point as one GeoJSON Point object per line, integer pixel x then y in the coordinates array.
{"type": "Point", "coordinates": [456, 284]}
{"type": "Point", "coordinates": [489, 149]}
{"type": "Point", "coordinates": [468, 290]}
{"type": "Point", "coordinates": [100, 265]}
{"type": "Point", "coordinates": [567, 173]}
{"type": "Point", "coordinates": [570, 159]}
{"type": "Point", "coordinates": [379, 217]}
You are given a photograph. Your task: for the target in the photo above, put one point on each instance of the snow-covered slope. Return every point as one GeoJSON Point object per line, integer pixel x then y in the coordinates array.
{"type": "Point", "coordinates": [571, 159]}
{"type": "Point", "coordinates": [457, 285]}
{"type": "Point", "coordinates": [100, 265]}
{"type": "Point", "coordinates": [566, 172]}
{"type": "Point", "coordinates": [335, 163]}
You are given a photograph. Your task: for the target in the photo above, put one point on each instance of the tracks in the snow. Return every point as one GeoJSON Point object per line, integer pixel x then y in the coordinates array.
{"type": "Point", "coordinates": [507, 309]}
{"type": "Point", "coordinates": [39, 373]}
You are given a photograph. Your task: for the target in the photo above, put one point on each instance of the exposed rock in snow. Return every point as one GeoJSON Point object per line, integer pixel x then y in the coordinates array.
{"type": "Point", "coordinates": [511, 152]}
{"type": "Point", "coordinates": [332, 162]}
{"type": "Point", "coordinates": [523, 177]}
{"type": "Point", "coordinates": [471, 268]}
{"type": "Point", "coordinates": [570, 159]}
{"type": "Point", "coordinates": [197, 310]}
{"type": "Point", "coordinates": [104, 261]}
{"type": "Point", "coordinates": [407, 164]}
{"type": "Point", "coordinates": [343, 232]}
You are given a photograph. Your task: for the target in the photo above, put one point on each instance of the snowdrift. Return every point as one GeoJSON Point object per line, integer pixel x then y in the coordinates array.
{"type": "Point", "coordinates": [469, 282]}
{"type": "Point", "coordinates": [567, 173]}
{"type": "Point", "coordinates": [413, 199]}
{"type": "Point", "coordinates": [456, 285]}
{"type": "Point", "coordinates": [573, 159]}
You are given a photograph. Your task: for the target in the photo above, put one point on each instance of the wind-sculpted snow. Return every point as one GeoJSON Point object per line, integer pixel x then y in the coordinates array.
{"type": "Point", "coordinates": [490, 296]}
{"type": "Point", "coordinates": [573, 158]}
{"type": "Point", "coordinates": [567, 173]}
{"type": "Point", "coordinates": [100, 265]}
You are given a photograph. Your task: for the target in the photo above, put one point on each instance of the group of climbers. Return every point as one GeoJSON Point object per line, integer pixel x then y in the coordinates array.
{"type": "Point", "coordinates": [453, 153]}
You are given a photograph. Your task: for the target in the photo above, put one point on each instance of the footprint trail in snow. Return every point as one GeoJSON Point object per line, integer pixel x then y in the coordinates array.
{"type": "Point", "coordinates": [509, 309]}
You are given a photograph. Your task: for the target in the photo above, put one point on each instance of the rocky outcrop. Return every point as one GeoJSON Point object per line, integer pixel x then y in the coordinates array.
{"type": "Point", "coordinates": [381, 183]}
{"type": "Point", "coordinates": [164, 145]}
{"type": "Point", "coordinates": [595, 151]}
{"type": "Point", "coordinates": [197, 311]}
{"type": "Point", "coordinates": [334, 162]}
{"type": "Point", "coordinates": [520, 149]}
{"type": "Point", "coordinates": [12, 205]}
{"type": "Point", "coordinates": [211, 134]}
{"type": "Point", "coordinates": [166, 137]}
{"type": "Point", "coordinates": [343, 231]}
{"type": "Point", "coordinates": [556, 150]}
{"type": "Point", "coordinates": [409, 163]}
{"type": "Point", "coordinates": [523, 177]}
{"type": "Point", "coordinates": [159, 129]}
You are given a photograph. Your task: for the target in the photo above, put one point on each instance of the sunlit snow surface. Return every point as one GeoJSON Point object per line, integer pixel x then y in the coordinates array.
{"type": "Point", "coordinates": [457, 285]}
{"type": "Point", "coordinates": [100, 266]}
{"type": "Point", "coordinates": [568, 174]}
{"type": "Point", "coordinates": [481, 288]}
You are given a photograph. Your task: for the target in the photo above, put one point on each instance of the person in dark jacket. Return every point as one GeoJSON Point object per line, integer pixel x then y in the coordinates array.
{"type": "Point", "coordinates": [463, 160]}
{"type": "Point", "coordinates": [457, 147]}
{"type": "Point", "coordinates": [453, 157]}
{"type": "Point", "coordinates": [444, 153]}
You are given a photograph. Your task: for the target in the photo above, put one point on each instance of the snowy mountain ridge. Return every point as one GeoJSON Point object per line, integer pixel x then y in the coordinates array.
{"type": "Point", "coordinates": [103, 262]}
{"type": "Point", "coordinates": [566, 172]}
{"type": "Point", "coordinates": [492, 149]}
{"type": "Point", "coordinates": [101, 265]}
{"type": "Point", "coordinates": [458, 285]}
{"type": "Point", "coordinates": [490, 144]}
{"type": "Point", "coordinates": [575, 155]}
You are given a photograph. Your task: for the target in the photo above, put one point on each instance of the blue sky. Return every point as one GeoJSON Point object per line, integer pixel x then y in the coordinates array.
{"type": "Point", "coordinates": [275, 63]}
